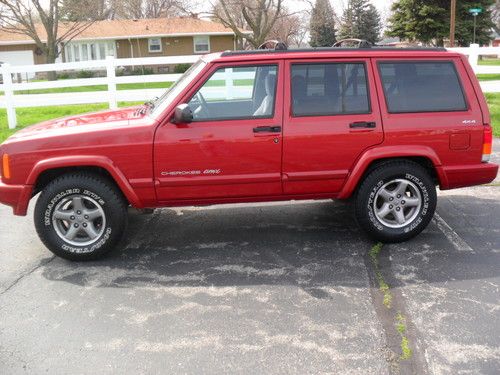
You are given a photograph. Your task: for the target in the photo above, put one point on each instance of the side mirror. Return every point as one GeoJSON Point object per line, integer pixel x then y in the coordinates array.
{"type": "Point", "coordinates": [183, 114]}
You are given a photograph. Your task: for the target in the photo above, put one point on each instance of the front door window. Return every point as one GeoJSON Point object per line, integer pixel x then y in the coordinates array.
{"type": "Point", "coordinates": [236, 93]}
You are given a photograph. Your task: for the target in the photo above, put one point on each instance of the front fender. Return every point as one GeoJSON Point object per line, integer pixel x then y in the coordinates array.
{"type": "Point", "coordinates": [86, 161]}
{"type": "Point", "coordinates": [388, 152]}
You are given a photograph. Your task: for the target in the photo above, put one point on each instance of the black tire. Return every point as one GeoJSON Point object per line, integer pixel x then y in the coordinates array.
{"type": "Point", "coordinates": [373, 201]}
{"type": "Point", "coordinates": [99, 197]}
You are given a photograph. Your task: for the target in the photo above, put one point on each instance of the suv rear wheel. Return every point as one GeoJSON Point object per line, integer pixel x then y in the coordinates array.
{"type": "Point", "coordinates": [80, 216]}
{"type": "Point", "coordinates": [396, 201]}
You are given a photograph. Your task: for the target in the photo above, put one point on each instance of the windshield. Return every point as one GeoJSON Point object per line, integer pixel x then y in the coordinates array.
{"type": "Point", "coordinates": [166, 99]}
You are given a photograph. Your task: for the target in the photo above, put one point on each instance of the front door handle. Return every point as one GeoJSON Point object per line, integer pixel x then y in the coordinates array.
{"type": "Point", "coordinates": [362, 124]}
{"type": "Point", "coordinates": [267, 129]}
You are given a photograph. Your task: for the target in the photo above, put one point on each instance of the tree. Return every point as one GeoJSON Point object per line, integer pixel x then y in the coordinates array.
{"type": "Point", "coordinates": [234, 9]}
{"type": "Point", "coordinates": [136, 9]}
{"type": "Point", "coordinates": [495, 15]}
{"type": "Point", "coordinates": [465, 22]}
{"type": "Point", "coordinates": [258, 16]}
{"type": "Point", "coordinates": [322, 25]}
{"type": "Point", "coordinates": [81, 10]}
{"type": "Point", "coordinates": [40, 23]}
{"type": "Point", "coordinates": [289, 28]}
{"type": "Point", "coordinates": [428, 21]}
{"type": "Point", "coordinates": [360, 20]}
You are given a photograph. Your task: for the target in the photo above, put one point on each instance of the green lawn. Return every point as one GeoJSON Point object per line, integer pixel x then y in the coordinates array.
{"type": "Point", "coordinates": [488, 77]}
{"type": "Point", "coordinates": [123, 86]}
{"type": "Point", "coordinates": [489, 62]}
{"type": "Point", "coordinates": [29, 116]}
{"type": "Point", "coordinates": [494, 104]}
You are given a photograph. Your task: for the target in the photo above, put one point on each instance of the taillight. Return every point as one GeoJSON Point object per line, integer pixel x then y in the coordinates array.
{"type": "Point", "coordinates": [487, 141]}
{"type": "Point", "coordinates": [6, 166]}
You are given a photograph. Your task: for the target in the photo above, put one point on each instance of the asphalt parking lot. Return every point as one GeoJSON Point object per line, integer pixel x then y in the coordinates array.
{"type": "Point", "coordinates": [267, 288]}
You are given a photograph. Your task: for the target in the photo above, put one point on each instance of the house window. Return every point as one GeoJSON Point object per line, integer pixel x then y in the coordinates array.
{"type": "Point", "coordinates": [76, 50]}
{"type": "Point", "coordinates": [201, 44]}
{"type": "Point", "coordinates": [85, 54]}
{"type": "Point", "coordinates": [83, 51]}
{"type": "Point", "coordinates": [154, 44]}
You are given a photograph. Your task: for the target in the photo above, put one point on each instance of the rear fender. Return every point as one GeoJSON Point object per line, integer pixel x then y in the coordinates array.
{"type": "Point", "coordinates": [389, 152]}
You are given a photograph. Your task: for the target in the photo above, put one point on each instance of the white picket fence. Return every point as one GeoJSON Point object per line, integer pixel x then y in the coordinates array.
{"type": "Point", "coordinates": [111, 96]}
{"type": "Point", "coordinates": [11, 101]}
{"type": "Point", "coordinates": [474, 52]}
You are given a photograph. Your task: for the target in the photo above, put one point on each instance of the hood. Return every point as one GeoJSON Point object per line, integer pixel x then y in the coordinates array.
{"type": "Point", "coordinates": [120, 116]}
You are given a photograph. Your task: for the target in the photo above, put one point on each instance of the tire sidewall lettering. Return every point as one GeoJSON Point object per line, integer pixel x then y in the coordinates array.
{"type": "Point", "coordinates": [48, 220]}
{"type": "Point", "coordinates": [89, 249]}
{"type": "Point", "coordinates": [371, 214]}
{"type": "Point", "coordinates": [424, 210]}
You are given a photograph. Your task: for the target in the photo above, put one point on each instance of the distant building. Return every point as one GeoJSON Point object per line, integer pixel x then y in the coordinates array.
{"type": "Point", "coordinates": [125, 39]}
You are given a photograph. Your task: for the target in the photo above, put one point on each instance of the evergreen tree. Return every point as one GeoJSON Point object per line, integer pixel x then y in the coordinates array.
{"type": "Point", "coordinates": [322, 26]}
{"type": "Point", "coordinates": [360, 20]}
{"type": "Point", "coordinates": [428, 21]}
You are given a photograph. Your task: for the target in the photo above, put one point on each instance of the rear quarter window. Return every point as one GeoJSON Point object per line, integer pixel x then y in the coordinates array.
{"type": "Point", "coordinates": [428, 86]}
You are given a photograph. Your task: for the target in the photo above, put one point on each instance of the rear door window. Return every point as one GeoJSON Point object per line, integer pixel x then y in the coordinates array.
{"type": "Point", "coordinates": [329, 89]}
{"type": "Point", "coordinates": [429, 86]}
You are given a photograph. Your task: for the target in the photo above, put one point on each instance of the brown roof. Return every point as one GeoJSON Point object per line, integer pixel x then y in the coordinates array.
{"type": "Point", "coordinates": [122, 29]}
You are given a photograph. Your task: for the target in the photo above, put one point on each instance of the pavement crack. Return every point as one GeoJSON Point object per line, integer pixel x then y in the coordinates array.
{"type": "Point", "coordinates": [400, 352]}
{"type": "Point", "coordinates": [42, 263]}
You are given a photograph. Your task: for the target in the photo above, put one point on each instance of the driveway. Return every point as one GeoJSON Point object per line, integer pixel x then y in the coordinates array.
{"type": "Point", "coordinates": [267, 288]}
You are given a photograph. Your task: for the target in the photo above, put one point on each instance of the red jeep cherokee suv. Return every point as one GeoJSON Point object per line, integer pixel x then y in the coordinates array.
{"type": "Point", "coordinates": [384, 126]}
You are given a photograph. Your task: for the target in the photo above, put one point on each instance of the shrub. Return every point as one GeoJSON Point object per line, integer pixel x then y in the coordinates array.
{"type": "Point", "coordinates": [85, 74]}
{"type": "Point", "coordinates": [63, 75]}
{"type": "Point", "coordinates": [141, 71]}
{"type": "Point", "coordinates": [181, 68]}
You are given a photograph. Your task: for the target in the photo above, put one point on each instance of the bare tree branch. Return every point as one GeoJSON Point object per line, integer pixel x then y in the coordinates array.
{"type": "Point", "coordinates": [40, 22]}
{"type": "Point", "coordinates": [257, 16]}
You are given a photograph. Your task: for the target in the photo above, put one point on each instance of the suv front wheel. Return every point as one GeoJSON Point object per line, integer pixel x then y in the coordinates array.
{"type": "Point", "coordinates": [396, 201]}
{"type": "Point", "coordinates": [80, 216]}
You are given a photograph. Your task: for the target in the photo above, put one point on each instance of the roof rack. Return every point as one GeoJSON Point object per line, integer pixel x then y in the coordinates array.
{"type": "Point", "coordinates": [331, 49]}
{"type": "Point", "coordinates": [356, 43]}
{"type": "Point", "coordinates": [273, 45]}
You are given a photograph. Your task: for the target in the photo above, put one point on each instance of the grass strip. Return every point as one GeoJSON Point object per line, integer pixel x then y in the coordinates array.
{"type": "Point", "coordinates": [399, 319]}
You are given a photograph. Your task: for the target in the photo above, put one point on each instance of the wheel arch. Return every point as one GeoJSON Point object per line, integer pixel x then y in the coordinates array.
{"type": "Point", "coordinates": [373, 158]}
{"type": "Point", "coordinates": [46, 170]}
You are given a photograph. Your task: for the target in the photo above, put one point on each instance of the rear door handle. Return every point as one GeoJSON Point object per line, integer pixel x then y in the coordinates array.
{"type": "Point", "coordinates": [362, 124]}
{"type": "Point", "coordinates": [267, 129]}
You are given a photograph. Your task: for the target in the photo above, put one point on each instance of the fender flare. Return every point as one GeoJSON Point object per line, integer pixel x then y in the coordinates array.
{"type": "Point", "coordinates": [87, 161]}
{"type": "Point", "coordinates": [388, 152]}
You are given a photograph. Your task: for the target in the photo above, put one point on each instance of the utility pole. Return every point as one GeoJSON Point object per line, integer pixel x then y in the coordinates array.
{"type": "Point", "coordinates": [452, 22]}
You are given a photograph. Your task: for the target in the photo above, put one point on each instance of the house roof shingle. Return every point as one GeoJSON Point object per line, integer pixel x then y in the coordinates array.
{"type": "Point", "coordinates": [122, 29]}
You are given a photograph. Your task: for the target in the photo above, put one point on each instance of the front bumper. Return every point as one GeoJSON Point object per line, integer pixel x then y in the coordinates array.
{"type": "Point", "coordinates": [16, 196]}
{"type": "Point", "coordinates": [468, 175]}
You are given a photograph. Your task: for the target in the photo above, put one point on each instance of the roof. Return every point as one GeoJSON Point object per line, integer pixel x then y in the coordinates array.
{"type": "Point", "coordinates": [125, 29]}
{"type": "Point", "coordinates": [334, 52]}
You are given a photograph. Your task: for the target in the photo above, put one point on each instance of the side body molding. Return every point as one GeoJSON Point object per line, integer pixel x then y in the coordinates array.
{"type": "Point", "coordinates": [387, 152]}
{"type": "Point", "coordinates": [87, 161]}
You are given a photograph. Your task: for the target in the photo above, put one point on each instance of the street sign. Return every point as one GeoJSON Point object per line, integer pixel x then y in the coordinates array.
{"type": "Point", "coordinates": [475, 12]}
